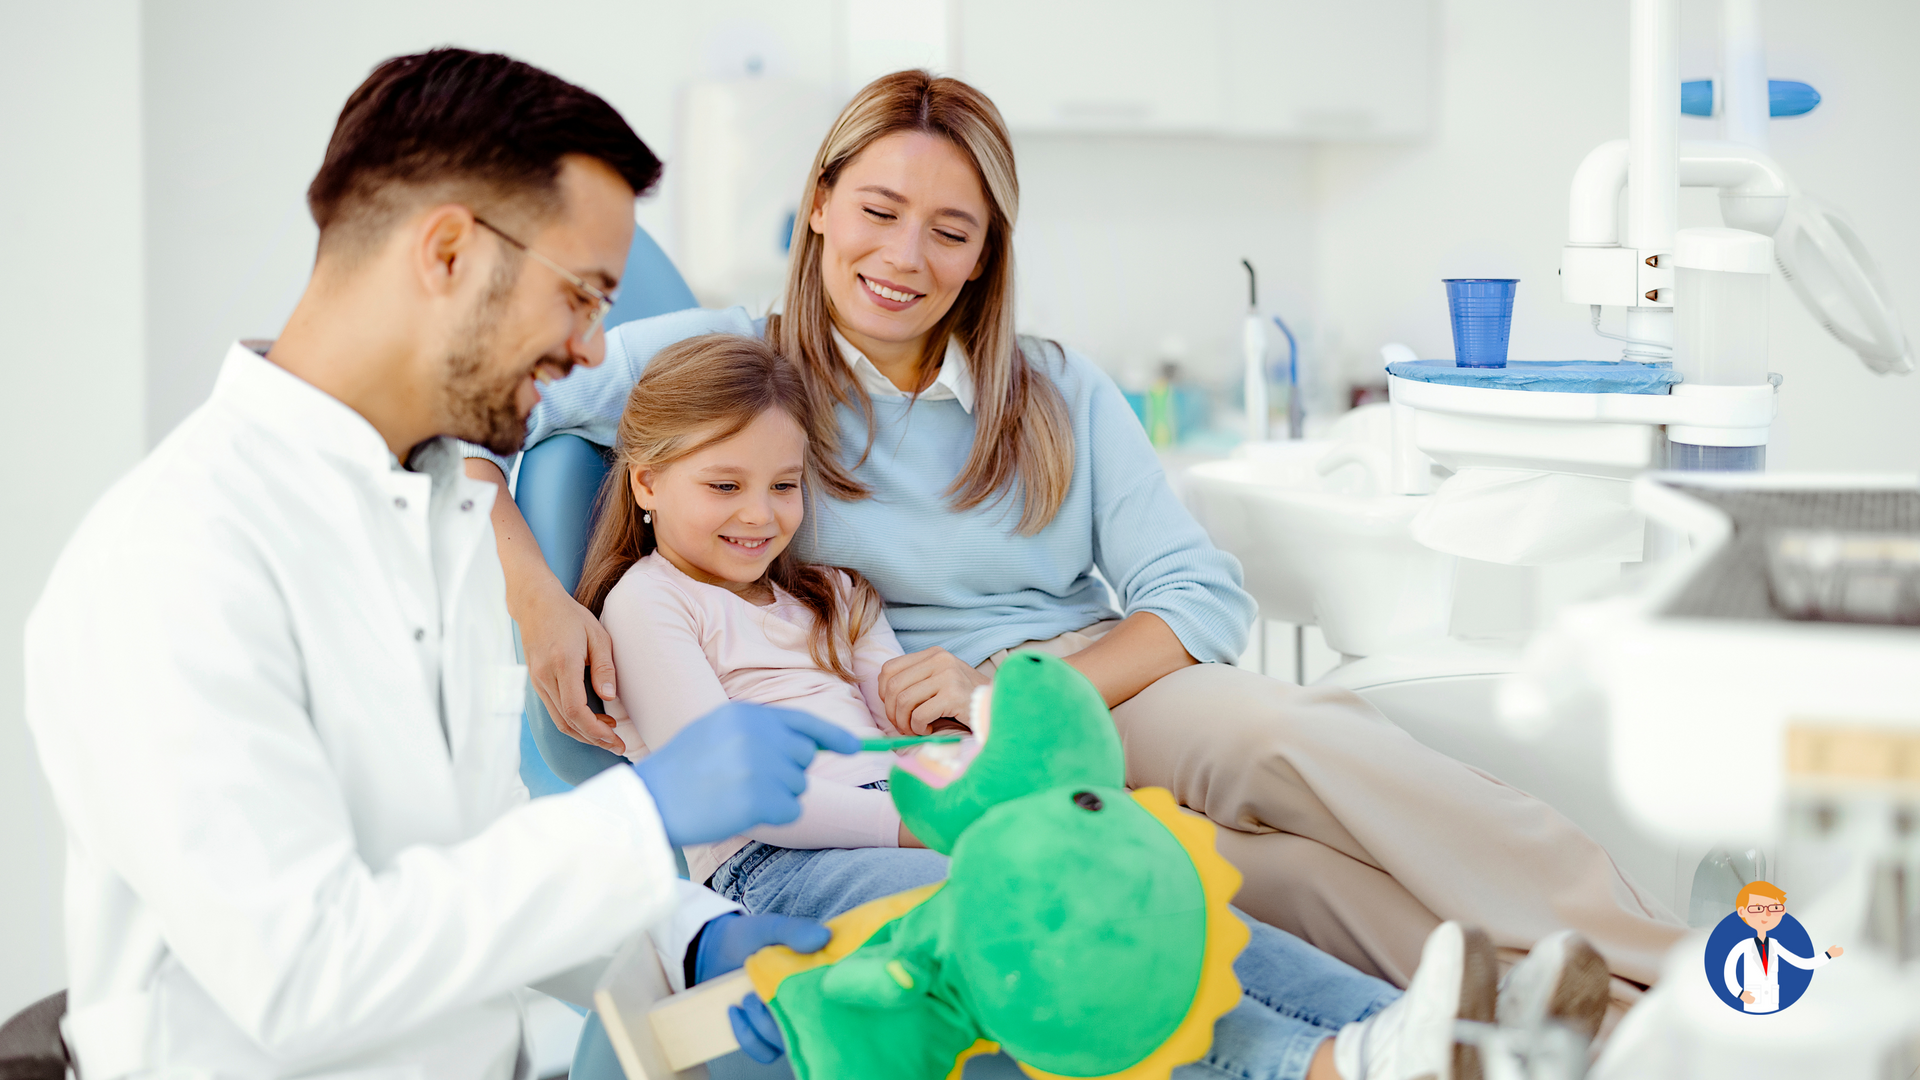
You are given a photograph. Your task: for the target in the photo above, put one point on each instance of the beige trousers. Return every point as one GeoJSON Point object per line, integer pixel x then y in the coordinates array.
{"type": "Point", "coordinates": [1360, 840]}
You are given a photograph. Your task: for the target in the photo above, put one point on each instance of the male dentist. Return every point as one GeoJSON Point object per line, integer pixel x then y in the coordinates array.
{"type": "Point", "coordinates": [271, 679]}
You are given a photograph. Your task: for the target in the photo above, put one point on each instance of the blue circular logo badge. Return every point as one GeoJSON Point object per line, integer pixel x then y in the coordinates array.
{"type": "Point", "coordinates": [1777, 985]}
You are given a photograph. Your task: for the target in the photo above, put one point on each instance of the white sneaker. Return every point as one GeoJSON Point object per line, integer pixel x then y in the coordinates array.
{"type": "Point", "coordinates": [1412, 1039]}
{"type": "Point", "coordinates": [1562, 981]}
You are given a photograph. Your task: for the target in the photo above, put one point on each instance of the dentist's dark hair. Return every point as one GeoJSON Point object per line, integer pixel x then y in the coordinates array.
{"type": "Point", "coordinates": [452, 125]}
{"type": "Point", "coordinates": [693, 394]}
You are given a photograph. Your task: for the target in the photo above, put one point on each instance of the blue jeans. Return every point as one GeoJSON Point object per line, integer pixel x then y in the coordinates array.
{"type": "Point", "coordinates": [1293, 996]}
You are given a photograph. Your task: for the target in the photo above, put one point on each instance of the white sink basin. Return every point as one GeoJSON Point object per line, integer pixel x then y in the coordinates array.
{"type": "Point", "coordinates": [1329, 550]}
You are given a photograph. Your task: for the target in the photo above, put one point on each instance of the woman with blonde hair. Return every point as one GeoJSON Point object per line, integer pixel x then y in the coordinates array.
{"type": "Point", "coordinates": [993, 487]}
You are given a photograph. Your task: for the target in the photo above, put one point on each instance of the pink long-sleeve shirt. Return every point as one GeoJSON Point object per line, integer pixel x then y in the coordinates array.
{"type": "Point", "coordinates": [682, 648]}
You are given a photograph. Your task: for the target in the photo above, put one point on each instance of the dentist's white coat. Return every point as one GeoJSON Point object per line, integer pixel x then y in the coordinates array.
{"type": "Point", "coordinates": [272, 684]}
{"type": "Point", "coordinates": [1764, 985]}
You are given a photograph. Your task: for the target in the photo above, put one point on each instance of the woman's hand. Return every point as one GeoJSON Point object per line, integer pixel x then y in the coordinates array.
{"type": "Point", "coordinates": [920, 688]}
{"type": "Point", "coordinates": [562, 639]}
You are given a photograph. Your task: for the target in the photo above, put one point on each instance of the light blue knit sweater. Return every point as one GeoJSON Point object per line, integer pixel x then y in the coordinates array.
{"type": "Point", "coordinates": [966, 580]}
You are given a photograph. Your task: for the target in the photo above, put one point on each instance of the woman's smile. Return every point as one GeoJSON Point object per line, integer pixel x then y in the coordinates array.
{"type": "Point", "coordinates": [888, 295]}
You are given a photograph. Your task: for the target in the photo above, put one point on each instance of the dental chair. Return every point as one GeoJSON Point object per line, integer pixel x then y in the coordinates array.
{"type": "Point", "coordinates": [556, 485]}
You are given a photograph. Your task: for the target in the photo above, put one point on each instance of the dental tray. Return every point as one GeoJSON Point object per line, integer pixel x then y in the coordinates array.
{"type": "Point", "coordinates": [1548, 376]}
{"type": "Point", "coordinates": [1824, 555]}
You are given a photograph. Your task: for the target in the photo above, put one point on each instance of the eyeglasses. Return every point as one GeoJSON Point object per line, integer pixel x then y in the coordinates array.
{"type": "Point", "coordinates": [602, 301]}
{"type": "Point", "coordinates": [1765, 909]}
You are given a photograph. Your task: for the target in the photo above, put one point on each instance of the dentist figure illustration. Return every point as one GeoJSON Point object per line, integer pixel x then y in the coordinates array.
{"type": "Point", "coordinates": [1762, 906]}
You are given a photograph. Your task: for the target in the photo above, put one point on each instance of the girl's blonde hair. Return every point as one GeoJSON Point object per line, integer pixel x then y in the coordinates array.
{"type": "Point", "coordinates": [693, 394]}
{"type": "Point", "coordinates": [1022, 437]}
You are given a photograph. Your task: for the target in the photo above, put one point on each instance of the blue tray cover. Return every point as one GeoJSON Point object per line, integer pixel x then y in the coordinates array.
{"type": "Point", "coordinates": [1549, 376]}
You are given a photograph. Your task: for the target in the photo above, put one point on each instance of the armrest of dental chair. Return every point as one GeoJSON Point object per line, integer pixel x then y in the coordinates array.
{"type": "Point", "coordinates": [559, 480]}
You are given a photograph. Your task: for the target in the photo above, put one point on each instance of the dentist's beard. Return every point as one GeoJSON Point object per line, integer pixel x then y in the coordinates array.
{"type": "Point", "coordinates": [483, 402]}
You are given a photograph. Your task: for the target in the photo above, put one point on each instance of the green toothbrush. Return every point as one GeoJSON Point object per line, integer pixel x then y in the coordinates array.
{"type": "Point", "coordinates": [907, 740]}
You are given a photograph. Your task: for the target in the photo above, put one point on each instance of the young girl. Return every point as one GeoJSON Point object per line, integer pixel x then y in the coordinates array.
{"type": "Point", "coordinates": [690, 571]}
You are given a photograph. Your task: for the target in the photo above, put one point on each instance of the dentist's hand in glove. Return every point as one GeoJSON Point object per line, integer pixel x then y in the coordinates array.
{"type": "Point", "coordinates": [725, 943]}
{"type": "Point", "coordinates": [739, 766]}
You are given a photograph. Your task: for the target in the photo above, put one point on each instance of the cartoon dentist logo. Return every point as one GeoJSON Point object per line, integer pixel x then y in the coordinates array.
{"type": "Point", "coordinates": [1760, 959]}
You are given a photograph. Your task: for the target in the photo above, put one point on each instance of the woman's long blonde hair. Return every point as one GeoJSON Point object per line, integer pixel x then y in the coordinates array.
{"type": "Point", "coordinates": [1022, 437]}
{"type": "Point", "coordinates": [693, 394]}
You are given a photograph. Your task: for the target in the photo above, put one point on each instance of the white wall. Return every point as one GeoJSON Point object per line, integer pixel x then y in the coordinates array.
{"type": "Point", "coordinates": [241, 98]}
{"type": "Point", "coordinates": [1527, 88]}
{"type": "Point", "coordinates": [1124, 241]}
{"type": "Point", "coordinates": [70, 316]}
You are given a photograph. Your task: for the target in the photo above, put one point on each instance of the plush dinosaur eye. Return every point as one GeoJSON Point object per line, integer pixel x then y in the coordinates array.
{"type": "Point", "coordinates": [1088, 801]}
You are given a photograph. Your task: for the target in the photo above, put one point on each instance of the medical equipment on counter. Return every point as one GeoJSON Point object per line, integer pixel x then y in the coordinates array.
{"type": "Point", "coordinates": [1296, 405]}
{"type": "Point", "coordinates": [1253, 354]}
{"type": "Point", "coordinates": [1733, 714]}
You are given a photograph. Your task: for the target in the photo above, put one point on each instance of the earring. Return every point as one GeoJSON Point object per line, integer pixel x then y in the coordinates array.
{"type": "Point", "coordinates": [646, 517]}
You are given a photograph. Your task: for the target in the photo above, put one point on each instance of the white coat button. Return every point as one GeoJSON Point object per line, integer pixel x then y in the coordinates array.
{"type": "Point", "coordinates": [466, 504]}
{"type": "Point", "coordinates": [399, 502]}
{"type": "Point", "coordinates": [419, 634]}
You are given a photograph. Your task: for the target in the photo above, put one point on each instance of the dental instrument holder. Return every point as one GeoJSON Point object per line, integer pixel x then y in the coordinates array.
{"type": "Point", "coordinates": [1296, 408]}
{"type": "Point", "coordinates": [1253, 349]}
{"type": "Point", "coordinates": [1482, 315]}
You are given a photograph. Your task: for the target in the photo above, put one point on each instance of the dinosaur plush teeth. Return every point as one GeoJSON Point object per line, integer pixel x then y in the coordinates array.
{"type": "Point", "coordinates": [940, 764]}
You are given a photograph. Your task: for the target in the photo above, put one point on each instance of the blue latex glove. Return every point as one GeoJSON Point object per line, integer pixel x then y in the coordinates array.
{"type": "Point", "coordinates": [739, 766]}
{"type": "Point", "coordinates": [756, 1031]}
{"type": "Point", "coordinates": [725, 944]}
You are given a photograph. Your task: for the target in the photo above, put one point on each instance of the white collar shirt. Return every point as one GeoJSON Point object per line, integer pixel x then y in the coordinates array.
{"type": "Point", "coordinates": [272, 685]}
{"type": "Point", "coordinates": [954, 383]}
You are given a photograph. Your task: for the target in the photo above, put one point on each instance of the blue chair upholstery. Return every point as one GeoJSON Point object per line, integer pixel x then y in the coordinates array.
{"type": "Point", "coordinates": [558, 482]}
{"type": "Point", "coordinates": [650, 285]}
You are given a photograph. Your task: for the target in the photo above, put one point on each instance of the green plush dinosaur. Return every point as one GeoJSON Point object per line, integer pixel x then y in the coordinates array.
{"type": "Point", "coordinates": [1083, 928]}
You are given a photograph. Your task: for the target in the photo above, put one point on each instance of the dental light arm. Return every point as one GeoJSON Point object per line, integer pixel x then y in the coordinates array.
{"type": "Point", "coordinates": [1820, 254]}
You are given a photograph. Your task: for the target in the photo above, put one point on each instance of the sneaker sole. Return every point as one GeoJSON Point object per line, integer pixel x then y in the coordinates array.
{"type": "Point", "coordinates": [1479, 982]}
{"type": "Point", "coordinates": [1581, 995]}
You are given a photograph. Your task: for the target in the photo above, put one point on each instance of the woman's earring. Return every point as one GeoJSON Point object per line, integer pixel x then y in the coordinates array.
{"type": "Point", "coordinates": [646, 517]}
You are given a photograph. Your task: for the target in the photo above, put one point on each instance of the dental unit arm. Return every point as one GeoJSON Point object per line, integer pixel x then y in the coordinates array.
{"type": "Point", "coordinates": [1817, 250]}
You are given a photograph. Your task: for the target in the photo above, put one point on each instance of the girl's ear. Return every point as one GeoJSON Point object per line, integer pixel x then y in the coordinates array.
{"type": "Point", "coordinates": [640, 482]}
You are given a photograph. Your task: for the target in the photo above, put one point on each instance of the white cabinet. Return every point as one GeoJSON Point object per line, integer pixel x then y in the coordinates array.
{"type": "Point", "coordinates": [1305, 69]}
{"type": "Point", "coordinates": [1329, 69]}
{"type": "Point", "coordinates": [1095, 65]}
